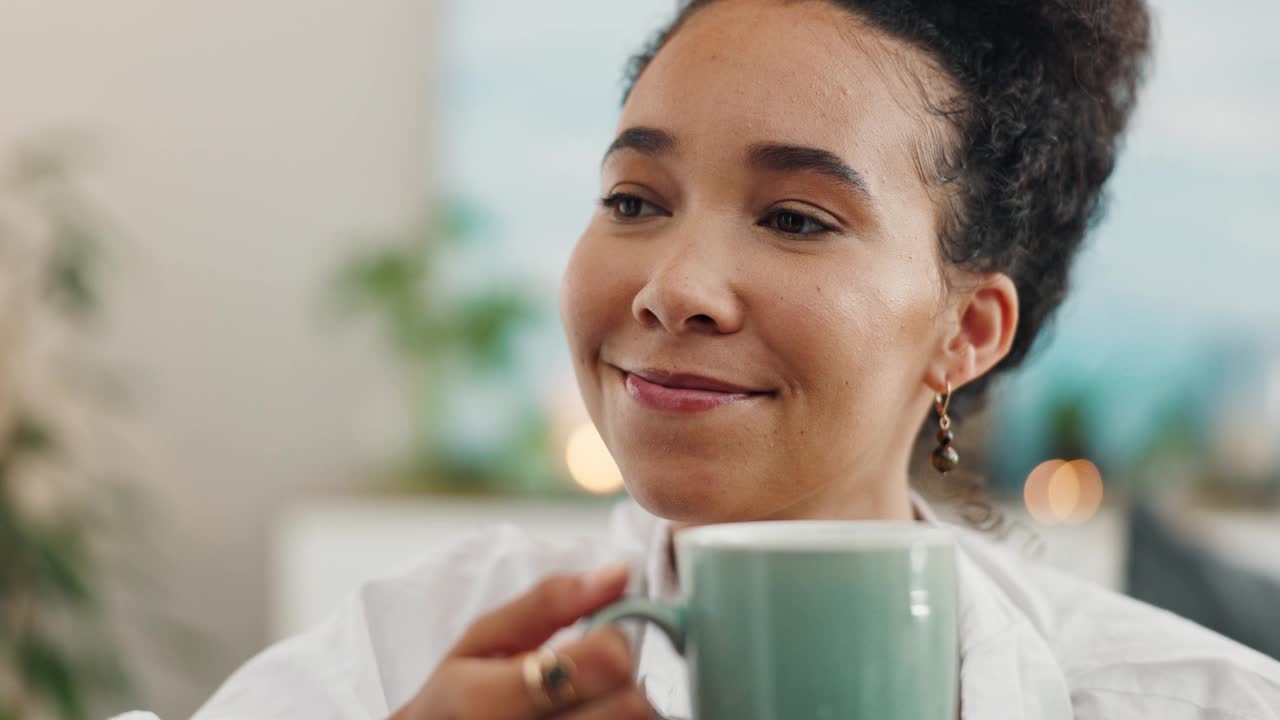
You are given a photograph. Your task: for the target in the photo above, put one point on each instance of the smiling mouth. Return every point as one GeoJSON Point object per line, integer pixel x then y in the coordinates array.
{"type": "Point", "coordinates": [683, 393]}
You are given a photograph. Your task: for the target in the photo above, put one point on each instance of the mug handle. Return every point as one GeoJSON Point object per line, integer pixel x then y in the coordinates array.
{"type": "Point", "coordinates": [669, 617]}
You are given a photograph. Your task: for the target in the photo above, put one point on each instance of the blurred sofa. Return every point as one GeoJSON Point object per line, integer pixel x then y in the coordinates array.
{"type": "Point", "coordinates": [1169, 569]}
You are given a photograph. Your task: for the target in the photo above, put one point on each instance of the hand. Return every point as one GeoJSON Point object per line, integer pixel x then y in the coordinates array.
{"type": "Point", "coordinates": [482, 677]}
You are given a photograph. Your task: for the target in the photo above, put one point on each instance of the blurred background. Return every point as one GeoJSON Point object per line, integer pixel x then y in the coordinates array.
{"type": "Point", "coordinates": [278, 312]}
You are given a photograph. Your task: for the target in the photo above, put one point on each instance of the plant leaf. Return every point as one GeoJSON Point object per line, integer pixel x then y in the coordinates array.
{"type": "Point", "coordinates": [69, 277]}
{"type": "Point", "coordinates": [61, 561]}
{"type": "Point", "coordinates": [481, 326]}
{"type": "Point", "coordinates": [29, 435]}
{"type": "Point", "coordinates": [50, 673]}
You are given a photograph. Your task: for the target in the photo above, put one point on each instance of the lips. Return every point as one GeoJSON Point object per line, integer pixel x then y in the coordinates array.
{"type": "Point", "coordinates": [680, 381]}
{"type": "Point", "coordinates": [679, 392]}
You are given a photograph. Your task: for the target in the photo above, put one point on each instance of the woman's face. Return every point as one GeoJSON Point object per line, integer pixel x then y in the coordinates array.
{"type": "Point", "coordinates": [767, 228]}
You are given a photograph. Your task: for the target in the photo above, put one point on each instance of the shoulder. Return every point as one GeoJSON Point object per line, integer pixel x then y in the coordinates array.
{"type": "Point", "coordinates": [1122, 658]}
{"type": "Point", "coordinates": [375, 650]}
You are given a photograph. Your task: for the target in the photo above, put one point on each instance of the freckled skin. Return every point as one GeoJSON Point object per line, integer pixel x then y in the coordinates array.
{"type": "Point", "coordinates": [841, 326]}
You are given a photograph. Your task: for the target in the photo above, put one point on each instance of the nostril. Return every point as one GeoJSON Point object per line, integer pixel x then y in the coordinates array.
{"type": "Point", "coordinates": [649, 318]}
{"type": "Point", "coordinates": [702, 321]}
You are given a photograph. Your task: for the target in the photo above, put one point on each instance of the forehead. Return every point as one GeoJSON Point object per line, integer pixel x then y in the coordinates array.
{"type": "Point", "coordinates": [807, 73]}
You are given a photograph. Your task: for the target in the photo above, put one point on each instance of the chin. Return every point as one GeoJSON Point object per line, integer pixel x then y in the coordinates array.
{"type": "Point", "coordinates": [687, 497]}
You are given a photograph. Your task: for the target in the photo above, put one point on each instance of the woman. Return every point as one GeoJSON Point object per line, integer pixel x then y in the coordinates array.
{"type": "Point", "coordinates": [816, 218]}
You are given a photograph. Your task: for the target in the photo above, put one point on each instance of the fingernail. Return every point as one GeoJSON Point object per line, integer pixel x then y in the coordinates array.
{"type": "Point", "coordinates": [605, 577]}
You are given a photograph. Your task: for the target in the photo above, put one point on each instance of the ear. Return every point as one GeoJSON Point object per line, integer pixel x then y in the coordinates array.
{"type": "Point", "coordinates": [980, 332]}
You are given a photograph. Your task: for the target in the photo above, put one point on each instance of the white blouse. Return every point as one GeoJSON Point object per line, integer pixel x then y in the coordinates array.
{"type": "Point", "coordinates": [1034, 643]}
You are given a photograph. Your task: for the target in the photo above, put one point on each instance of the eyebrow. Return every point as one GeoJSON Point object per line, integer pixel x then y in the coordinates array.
{"type": "Point", "coordinates": [798, 158]}
{"type": "Point", "coordinates": [775, 157]}
{"type": "Point", "coordinates": [644, 140]}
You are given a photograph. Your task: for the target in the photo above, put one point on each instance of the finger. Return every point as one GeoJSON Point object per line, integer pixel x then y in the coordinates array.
{"type": "Point", "coordinates": [529, 620]}
{"type": "Point", "coordinates": [628, 703]}
{"type": "Point", "coordinates": [601, 663]}
{"type": "Point", "coordinates": [479, 688]}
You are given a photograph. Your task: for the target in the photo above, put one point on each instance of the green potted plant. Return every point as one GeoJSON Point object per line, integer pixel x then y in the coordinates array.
{"type": "Point", "coordinates": [440, 333]}
{"type": "Point", "coordinates": [54, 657]}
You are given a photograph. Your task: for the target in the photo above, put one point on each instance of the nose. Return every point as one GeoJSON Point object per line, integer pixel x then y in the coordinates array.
{"type": "Point", "coordinates": [690, 291]}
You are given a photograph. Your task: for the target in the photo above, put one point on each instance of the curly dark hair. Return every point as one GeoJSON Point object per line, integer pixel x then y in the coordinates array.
{"type": "Point", "coordinates": [1046, 88]}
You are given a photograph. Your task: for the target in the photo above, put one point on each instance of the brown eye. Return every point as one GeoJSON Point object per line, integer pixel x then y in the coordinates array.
{"type": "Point", "coordinates": [791, 222]}
{"type": "Point", "coordinates": [794, 223]}
{"type": "Point", "coordinates": [630, 207]}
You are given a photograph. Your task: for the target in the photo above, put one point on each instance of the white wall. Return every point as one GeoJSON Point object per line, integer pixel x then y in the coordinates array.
{"type": "Point", "coordinates": [248, 144]}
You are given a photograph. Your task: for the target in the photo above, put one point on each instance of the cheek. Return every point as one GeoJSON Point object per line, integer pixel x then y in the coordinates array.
{"type": "Point", "coordinates": [594, 299]}
{"type": "Point", "coordinates": [578, 296]}
{"type": "Point", "coordinates": [857, 342]}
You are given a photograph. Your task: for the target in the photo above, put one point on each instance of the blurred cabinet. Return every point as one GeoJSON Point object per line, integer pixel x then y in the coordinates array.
{"type": "Point", "coordinates": [324, 548]}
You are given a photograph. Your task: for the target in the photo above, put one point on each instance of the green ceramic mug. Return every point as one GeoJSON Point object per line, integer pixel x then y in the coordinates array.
{"type": "Point", "coordinates": [813, 620]}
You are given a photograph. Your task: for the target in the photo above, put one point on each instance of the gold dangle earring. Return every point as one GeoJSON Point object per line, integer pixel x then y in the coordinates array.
{"type": "Point", "coordinates": [945, 457]}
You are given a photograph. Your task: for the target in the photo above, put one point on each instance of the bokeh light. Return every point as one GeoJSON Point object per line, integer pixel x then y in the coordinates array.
{"type": "Point", "coordinates": [1063, 492]}
{"type": "Point", "coordinates": [590, 464]}
{"type": "Point", "coordinates": [1058, 492]}
{"type": "Point", "coordinates": [1089, 491]}
{"type": "Point", "coordinates": [1036, 492]}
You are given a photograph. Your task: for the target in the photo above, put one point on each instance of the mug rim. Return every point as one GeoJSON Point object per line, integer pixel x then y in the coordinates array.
{"type": "Point", "coordinates": [814, 535]}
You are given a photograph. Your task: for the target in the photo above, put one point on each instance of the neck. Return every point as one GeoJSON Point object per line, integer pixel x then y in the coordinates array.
{"type": "Point", "coordinates": [886, 501]}
{"type": "Point", "coordinates": [860, 494]}
{"type": "Point", "coordinates": [854, 501]}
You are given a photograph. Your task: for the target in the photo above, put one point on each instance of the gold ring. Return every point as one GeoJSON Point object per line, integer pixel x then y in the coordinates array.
{"type": "Point", "coordinates": [548, 677]}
